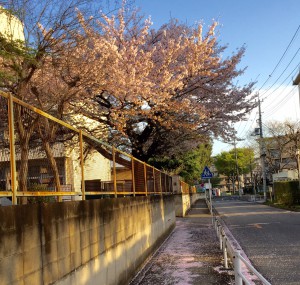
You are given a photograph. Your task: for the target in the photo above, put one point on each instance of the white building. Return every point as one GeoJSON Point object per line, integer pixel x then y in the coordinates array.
{"type": "Point", "coordinates": [285, 175]}
{"type": "Point", "coordinates": [10, 26]}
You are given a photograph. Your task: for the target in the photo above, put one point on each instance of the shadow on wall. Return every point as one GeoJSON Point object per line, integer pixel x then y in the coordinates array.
{"type": "Point", "coordinates": [79, 242]}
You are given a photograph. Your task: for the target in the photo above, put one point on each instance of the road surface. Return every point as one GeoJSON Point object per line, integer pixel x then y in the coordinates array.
{"type": "Point", "coordinates": [270, 237]}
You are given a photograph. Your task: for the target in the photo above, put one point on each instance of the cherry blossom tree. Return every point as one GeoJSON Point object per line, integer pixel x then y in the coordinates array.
{"type": "Point", "coordinates": [40, 70]}
{"type": "Point", "coordinates": [166, 90]}
{"type": "Point", "coordinates": [153, 92]}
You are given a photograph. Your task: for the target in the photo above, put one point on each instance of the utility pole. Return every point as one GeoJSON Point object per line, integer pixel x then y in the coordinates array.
{"type": "Point", "coordinates": [251, 176]}
{"type": "Point", "coordinates": [262, 151]}
{"type": "Point", "coordinates": [235, 139]}
{"type": "Point", "coordinates": [236, 164]}
{"type": "Point", "coordinates": [297, 82]}
{"type": "Point", "coordinates": [233, 183]}
{"type": "Point", "coordinates": [298, 165]}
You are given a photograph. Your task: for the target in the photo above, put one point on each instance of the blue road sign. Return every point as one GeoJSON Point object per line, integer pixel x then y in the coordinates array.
{"type": "Point", "coordinates": [206, 173]}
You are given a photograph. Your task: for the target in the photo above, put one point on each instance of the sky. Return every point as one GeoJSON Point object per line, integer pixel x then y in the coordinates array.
{"type": "Point", "coordinates": [270, 31]}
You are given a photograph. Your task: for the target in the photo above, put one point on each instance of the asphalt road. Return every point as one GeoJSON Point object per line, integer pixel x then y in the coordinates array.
{"type": "Point", "coordinates": [270, 238]}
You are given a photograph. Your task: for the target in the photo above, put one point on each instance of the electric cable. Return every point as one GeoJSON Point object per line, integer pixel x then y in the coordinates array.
{"type": "Point", "coordinates": [266, 91]}
{"type": "Point", "coordinates": [280, 86]}
{"type": "Point", "coordinates": [281, 103]}
{"type": "Point", "coordinates": [287, 48]}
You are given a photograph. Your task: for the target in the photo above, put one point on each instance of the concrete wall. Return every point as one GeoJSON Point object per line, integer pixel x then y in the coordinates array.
{"type": "Point", "coordinates": [196, 196]}
{"type": "Point", "coordinates": [183, 202]}
{"type": "Point", "coordinates": [81, 242]}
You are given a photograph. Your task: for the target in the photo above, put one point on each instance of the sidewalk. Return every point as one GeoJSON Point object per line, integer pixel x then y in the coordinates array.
{"type": "Point", "coordinates": [190, 255]}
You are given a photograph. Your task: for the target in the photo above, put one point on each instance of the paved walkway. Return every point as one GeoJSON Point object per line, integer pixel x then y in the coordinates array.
{"type": "Point", "coordinates": [189, 256]}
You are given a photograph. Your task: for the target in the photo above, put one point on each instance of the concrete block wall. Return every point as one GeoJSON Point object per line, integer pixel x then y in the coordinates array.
{"type": "Point", "coordinates": [196, 196]}
{"type": "Point", "coordinates": [19, 225]}
{"type": "Point", "coordinates": [101, 241]}
{"type": "Point", "coordinates": [183, 202]}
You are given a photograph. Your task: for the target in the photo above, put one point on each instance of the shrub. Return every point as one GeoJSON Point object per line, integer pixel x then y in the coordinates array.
{"type": "Point", "coordinates": [40, 199]}
{"type": "Point", "coordinates": [287, 192]}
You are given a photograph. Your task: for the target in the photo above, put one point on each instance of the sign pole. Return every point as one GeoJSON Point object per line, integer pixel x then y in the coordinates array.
{"type": "Point", "coordinates": [206, 174]}
{"type": "Point", "coordinates": [210, 196]}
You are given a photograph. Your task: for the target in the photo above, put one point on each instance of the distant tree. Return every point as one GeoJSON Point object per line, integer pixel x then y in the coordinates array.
{"type": "Point", "coordinates": [215, 181]}
{"type": "Point", "coordinates": [282, 142]}
{"type": "Point", "coordinates": [226, 162]}
{"type": "Point", "coordinates": [188, 165]}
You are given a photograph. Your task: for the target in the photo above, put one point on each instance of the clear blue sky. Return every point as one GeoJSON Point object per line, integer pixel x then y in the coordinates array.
{"type": "Point", "coordinates": [265, 27]}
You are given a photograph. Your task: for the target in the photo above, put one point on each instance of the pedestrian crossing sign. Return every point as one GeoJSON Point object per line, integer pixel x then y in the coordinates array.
{"type": "Point", "coordinates": [206, 173]}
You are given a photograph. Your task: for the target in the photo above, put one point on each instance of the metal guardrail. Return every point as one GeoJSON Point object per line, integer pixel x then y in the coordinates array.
{"type": "Point", "coordinates": [233, 255]}
{"type": "Point", "coordinates": [252, 198]}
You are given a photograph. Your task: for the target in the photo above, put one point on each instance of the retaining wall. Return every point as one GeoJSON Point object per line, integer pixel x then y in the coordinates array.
{"type": "Point", "coordinates": [101, 241]}
{"type": "Point", "coordinates": [183, 202]}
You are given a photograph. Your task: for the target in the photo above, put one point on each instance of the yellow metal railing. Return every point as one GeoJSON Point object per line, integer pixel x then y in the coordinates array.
{"type": "Point", "coordinates": [70, 164]}
{"type": "Point", "coordinates": [186, 188]}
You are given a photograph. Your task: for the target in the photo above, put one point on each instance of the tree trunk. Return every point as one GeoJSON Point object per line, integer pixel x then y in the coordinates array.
{"type": "Point", "coordinates": [25, 133]}
{"type": "Point", "coordinates": [137, 153]}
{"type": "Point", "coordinates": [23, 170]}
{"type": "Point", "coordinates": [53, 165]}
{"type": "Point", "coordinates": [48, 133]}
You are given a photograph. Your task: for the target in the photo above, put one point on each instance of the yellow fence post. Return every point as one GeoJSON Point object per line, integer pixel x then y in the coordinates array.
{"type": "Point", "coordinates": [165, 186]}
{"type": "Point", "coordinates": [114, 171]}
{"type": "Point", "coordinates": [13, 171]}
{"type": "Point", "coordinates": [82, 164]}
{"type": "Point", "coordinates": [145, 177]}
{"type": "Point", "coordinates": [132, 172]}
{"type": "Point", "coordinates": [154, 187]}
{"type": "Point", "coordinates": [160, 185]}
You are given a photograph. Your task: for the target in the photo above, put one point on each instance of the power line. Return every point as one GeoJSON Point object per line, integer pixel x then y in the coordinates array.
{"type": "Point", "coordinates": [286, 86]}
{"type": "Point", "coordinates": [281, 74]}
{"type": "Point", "coordinates": [282, 83]}
{"type": "Point", "coordinates": [243, 132]}
{"type": "Point", "coordinates": [291, 41]}
{"type": "Point", "coordinates": [269, 88]}
{"type": "Point", "coordinates": [281, 103]}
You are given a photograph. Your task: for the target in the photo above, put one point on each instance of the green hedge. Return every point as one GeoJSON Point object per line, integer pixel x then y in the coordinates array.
{"type": "Point", "coordinates": [40, 199]}
{"type": "Point", "coordinates": [287, 192]}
